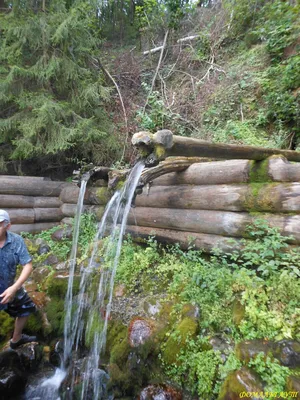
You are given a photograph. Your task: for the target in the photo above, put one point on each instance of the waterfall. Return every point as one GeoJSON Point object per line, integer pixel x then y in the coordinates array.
{"type": "Point", "coordinates": [93, 306]}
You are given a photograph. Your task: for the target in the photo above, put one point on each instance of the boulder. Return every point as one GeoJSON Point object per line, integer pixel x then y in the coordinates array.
{"type": "Point", "coordinates": [62, 233]}
{"type": "Point", "coordinates": [160, 392]}
{"type": "Point", "coordinates": [140, 329]}
{"type": "Point", "coordinates": [239, 382]}
{"type": "Point", "coordinates": [288, 352]}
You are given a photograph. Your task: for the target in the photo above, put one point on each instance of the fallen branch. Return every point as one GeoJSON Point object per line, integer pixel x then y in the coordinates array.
{"type": "Point", "coordinates": [106, 72]}
{"type": "Point", "coordinates": [157, 69]}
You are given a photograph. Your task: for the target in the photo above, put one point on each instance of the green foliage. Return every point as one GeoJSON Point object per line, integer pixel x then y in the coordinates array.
{"type": "Point", "coordinates": [271, 372]}
{"type": "Point", "coordinates": [52, 92]}
{"type": "Point", "coordinates": [158, 116]}
{"type": "Point", "coordinates": [264, 279]}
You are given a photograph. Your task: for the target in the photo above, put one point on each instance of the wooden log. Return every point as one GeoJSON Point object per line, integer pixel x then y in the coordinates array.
{"type": "Point", "coordinates": [32, 228]}
{"type": "Point", "coordinates": [31, 187]}
{"type": "Point", "coordinates": [21, 216]}
{"type": "Point", "coordinates": [48, 214]}
{"type": "Point", "coordinates": [69, 210]}
{"type": "Point", "coordinates": [209, 173]}
{"type": "Point", "coordinates": [18, 201]}
{"type": "Point", "coordinates": [93, 195]}
{"type": "Point", "coordinates": [281, 170]}
{"type": "Point", "coordinates": [163, 144]}
{"type": "Point", "coordinates": [205, 242]}
{"type": "Point", "coordinates": [24, 178]}
{"type": "Point", "coordinates": [255, 197]}
{"type": "Point", "coordinates": [171, 164]}
{"type": "Point", "coordinates": [212, 222]}
{"type": "Point", "coordinates": [32, 215]}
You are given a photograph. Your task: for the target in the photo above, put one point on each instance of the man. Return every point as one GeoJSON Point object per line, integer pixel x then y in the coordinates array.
{"type": "Point", "coordinates": [14, 299]}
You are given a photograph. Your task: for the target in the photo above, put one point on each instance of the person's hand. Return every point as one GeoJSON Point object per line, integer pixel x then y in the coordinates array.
{"type": "Point", "coordinates": [8, 295]}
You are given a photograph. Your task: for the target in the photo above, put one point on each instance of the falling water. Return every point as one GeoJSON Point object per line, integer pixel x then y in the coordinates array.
{"type": "Point", "coordinates": [96, 304]}
{"type": "Point", "coordinates": [112, 224]}
{"type": "Point", "coordinates": [48, 388]}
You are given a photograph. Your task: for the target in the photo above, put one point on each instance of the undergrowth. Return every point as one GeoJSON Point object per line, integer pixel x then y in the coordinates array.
{"type": "Point", "coordinates": [263, 279]}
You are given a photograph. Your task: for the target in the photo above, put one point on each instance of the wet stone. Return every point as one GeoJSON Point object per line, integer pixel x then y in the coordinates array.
{"type": "Point", "coordinates": [51, 260]}
{"type": "Point", "coordinates": [237, 382]}
{"type": "Point", "coordinates": [43, 249]}
{"type": "Point", "coordinates": [249, 349]}
{"type": "Point", "coordinates": [139, 331]}
{"type": "Point", "coordinates": [63, 233]}
{"type": "Point", "coordinates": [288, 353]}
{"type": "Point", "coordinates": [160, 392]}
{"type": "Point", "coordinates": [12, 377]}
{"type": "Point", "coordinates": [31, 355]}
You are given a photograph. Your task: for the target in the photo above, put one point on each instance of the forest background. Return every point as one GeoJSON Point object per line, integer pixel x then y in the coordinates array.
{"type": "Point", "coordinates": [75, 82]}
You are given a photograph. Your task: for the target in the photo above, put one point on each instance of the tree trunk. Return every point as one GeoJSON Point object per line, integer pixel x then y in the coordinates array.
{"type": "Point", "coordinates": [256, 197]}
{"type": "Point", "coordinates": [18, 201]}
{"type": "Point", "coordinates": [93, 195]}
{"type": "Point", "coordinates": [32, 228]}
{"type": "Point", "coordinates": [212, 222]}
{"type": "Point", "coordinates": [215, 172]}
{"type": "Point", "coordinates": [201, 241]}
{"type": "Point", "coordinates": [31, 187]}
{"type": "Point", "coordinates": [163, 144]}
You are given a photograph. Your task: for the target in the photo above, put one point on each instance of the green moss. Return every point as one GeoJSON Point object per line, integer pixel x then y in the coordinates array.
{"type": "Point", "coordinates": [55, 314]}
{"type": "Point", "coordinates": [6, 326]}
{"type": "Point", "coordinates": [160, 151]}
{"type": "Point", "coordinates": [259, 198]}
{"type": "Point", "coordinates": [102, 195]}
{"type": "Point", "coordinates": [259, 171]}
{"type": "Point", "coordinates": [238, 312]}
{"type": "Point", "coordinates": [58, 286]}
{"type": "Point", "coordinates": [120, 185]}
{"type": "Point", "coordinates": [95, 325]}
{"type": "Point", "coordinates": [34, 324]}
{"type": "Point", "coordinates": [187, 328]}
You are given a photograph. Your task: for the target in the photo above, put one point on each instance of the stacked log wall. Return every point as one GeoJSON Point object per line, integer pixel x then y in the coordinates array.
{"type": "Point", "coordinates": [36, 203]}
{"type": "Point", "coordinates": [212, 204]}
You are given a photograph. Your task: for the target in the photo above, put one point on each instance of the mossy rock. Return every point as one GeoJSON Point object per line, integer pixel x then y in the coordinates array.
{"type": "Point", "coordinates": [238, 312]}
{"type": "Point", "coordinates": [102, 195]}
{"type": "Point", "coordinates": [34, 324]}
{"type": "Point", "coordinates": [119, 377]}
{"type": "Point", "coordinates": [57, 285]}
{"type": "Point", "coordinates": [55, 311]}
{"type": "Point", "coordinates": [187, 328]}
{"type": "Point", "coordinates": [243, 380]}
{"type": "Point", "coordinates": [249, 349]}
{"type": "Point", "coordinates": [6, 326]}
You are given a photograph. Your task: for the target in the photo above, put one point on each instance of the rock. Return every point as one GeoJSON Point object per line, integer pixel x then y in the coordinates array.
{"type": "Point", "coordinates": [160, 392]}
{"type": "Point", "coordinates": [120, 290]}
{"type": "Point", "coordinates": [40, 299]}
{"type": "Point", "coordinates": [238, 312]}
{"type": "Point", "coordinates": [43, 249]}
{"type": "Point", "coordinates": [251, 348]}
{"type": "Point", "coordinates": [220, 344]}
{"type": "Point", "coordinates": [64, 266]}
{"type": "Point", "coordinates": [30, 286]}
{"type": "Point", "coordinates": [12, 377]}
{"type": "Point", "coordinates": [62, 233]}
{"type": "Point", "coordinates": [140, 329]}
{"type": "Point", "coordinates": [51, 260]}
{"type": "Point", "coordinates": [293, 385]}
{"type": "Point", "coordinates": [12, 382]}
{"type": "Point", "coordinates": [238, 382]}
{"type": "Point", "coordinates": [152, 307]}
{"type": "Point", "coordinates": [39, 275]}
{"type": "Point", "coordinates": [288, 352]}
{"type": "Point", "coordinates": [30, 355]}
{"type": "Point", "coordinates": [67, 221]}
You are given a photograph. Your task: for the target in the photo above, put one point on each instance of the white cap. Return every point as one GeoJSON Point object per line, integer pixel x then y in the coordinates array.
{"type": "Point", "coordinates": [4, 216]}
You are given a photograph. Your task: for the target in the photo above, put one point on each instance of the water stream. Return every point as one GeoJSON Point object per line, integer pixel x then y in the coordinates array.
{"type": "Point", "coordinates": [88, 312]}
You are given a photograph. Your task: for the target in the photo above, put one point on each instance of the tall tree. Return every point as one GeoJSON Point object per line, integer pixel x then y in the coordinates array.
{"type": "Point", "coordinates": [52, 93]}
